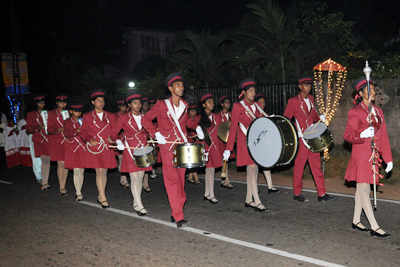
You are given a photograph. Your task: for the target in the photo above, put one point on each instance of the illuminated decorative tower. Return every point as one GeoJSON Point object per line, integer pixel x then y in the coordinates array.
{"type": "Point", "coordinates": [329, 78]}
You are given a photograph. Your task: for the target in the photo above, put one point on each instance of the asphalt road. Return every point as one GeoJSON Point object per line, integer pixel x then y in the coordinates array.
{"type": "Point", "coordinates": [41, 228]}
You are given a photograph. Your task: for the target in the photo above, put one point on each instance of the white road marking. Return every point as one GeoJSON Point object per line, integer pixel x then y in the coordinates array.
{"type": "Point", "coordinates": [221, 238]}
{"type": "Point", "coordinates": [5, 182]}
{"type": "Point", "coordinates": [310, 190]}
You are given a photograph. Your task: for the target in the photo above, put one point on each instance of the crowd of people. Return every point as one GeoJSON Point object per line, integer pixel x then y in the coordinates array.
{"type": "Point", "coordinates": [143, 127]}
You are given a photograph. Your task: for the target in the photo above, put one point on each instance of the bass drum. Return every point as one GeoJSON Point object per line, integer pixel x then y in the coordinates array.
{"type": "Point", "coordinates": [272, 141]}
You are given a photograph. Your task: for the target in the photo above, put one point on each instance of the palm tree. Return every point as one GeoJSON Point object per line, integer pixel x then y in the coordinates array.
{"type": "Point", "coordinates": [202, 55]}
{"type": "Point", "coordinates": [277, 36]}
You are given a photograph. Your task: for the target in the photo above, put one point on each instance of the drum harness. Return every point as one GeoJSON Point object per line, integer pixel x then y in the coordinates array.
{"type": "Point", "coordinates": [173, 115]}
{"type": "Point", "coordinates": [98, 135]}
{"type": "Point", "coordinates": [126, 142]}
{"type": "Point", "coordinates": [242, 127]}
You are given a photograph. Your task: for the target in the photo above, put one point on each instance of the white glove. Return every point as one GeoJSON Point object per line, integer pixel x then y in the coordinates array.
{"type": "Point", "coordinates": [367, 133]}
{"type": "Point", "coordinates": [120, 145]}
{"type": "Point", "coordinates": [389, 167]}
{"type": "Point", "coordinates": [272, 115]}
{"type": "Point", "coordinates": [227, 154]}
{"type": "Point", "coordinates": [160, 138]}
{"type": "Point", "coordinates": [300, 134]}
{"type": "Point", "coordinates": [200, 133]}
{"type": "Point", "coordinates": [322, 117]}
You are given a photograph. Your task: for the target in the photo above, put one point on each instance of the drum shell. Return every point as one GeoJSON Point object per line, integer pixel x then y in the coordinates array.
{"type": "Point", "coordinates": [322, 142]}
{"type": "Point", "coordinates": [288, 138]}
{"type": "Point", "coordinates": [189, 156]}
{"type": "Point", "coordinates": [145, 160]}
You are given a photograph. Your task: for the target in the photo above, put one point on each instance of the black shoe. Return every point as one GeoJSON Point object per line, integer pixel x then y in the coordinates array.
{"type": "Point", "coordinates": [63, 192]}
{"type": "Point", "coordinates": [182, 223]}
{"type": "Point", "coordinates": [125, 185]}
{"type": "Point", "coordinates": [227, 186]}
{"type": "Point", "coordinates": [375, 233]}
{"type": "Point", "coordinates": [247, 205]}
{"type": "Point", "coordinates": [355, 227]}
{"type": "Point", "coordinates": [104, 204]}
{"type": "Point", "coordinates": [257, 209]}
{"type": "Point", "coordinates": [326, 198]}
{"type": "Point", "coordinates": [273, 190]}
{"type": "Point", "coordinates": [191, 182]}
{"type": "Point", "coordinates": [197, 182]}
{"type": "Point", "coordinates": [147, 190]}
{"type": "Point", "coordinates": [300, 198]}
{"type": "Point", "coordinates": [46, 187]}
{"type": "Point", "coordinates": [143, 212]}
{"type": "Point", "coordinates": [172, 219]}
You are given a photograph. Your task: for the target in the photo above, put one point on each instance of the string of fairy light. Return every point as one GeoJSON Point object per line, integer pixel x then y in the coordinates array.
{"type": "Point", "coordinates": [14, 108]}
{"type": "Point", "coordinates": [336, 77]}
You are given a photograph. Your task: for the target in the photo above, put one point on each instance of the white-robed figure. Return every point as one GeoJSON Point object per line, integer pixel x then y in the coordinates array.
{"type": "Point", "coordinates": [24, 145]}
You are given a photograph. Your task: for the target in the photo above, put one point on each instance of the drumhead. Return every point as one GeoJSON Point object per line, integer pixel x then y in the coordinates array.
{"type": "Point", "coordinates": [141, 152]}
{"type": "Point", "coordinates": [311, 132]}
{"type": "Point", "coordinates": [264, 142]}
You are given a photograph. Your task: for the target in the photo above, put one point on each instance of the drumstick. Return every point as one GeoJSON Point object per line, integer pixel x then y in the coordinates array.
{"type": "Point", "coordinates": [223, 175]}
{"type": "Point", "coordinates": [310, 132]}
{"type": "Point", "coordinates": [320, 120]}
{"type": "Point", "coordinates": [133, 148]}
{"type": "Point", "coordinates": [144, 150]}
{"type": "Point", "coordinates": [168, 142]}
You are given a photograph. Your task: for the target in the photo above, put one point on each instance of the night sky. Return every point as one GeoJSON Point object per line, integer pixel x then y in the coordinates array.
{"type": "Point", "coordinates": [49, 29]}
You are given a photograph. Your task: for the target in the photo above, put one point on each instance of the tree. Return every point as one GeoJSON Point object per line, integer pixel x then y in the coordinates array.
{"type": "Point", "coordinates": [201, 56]}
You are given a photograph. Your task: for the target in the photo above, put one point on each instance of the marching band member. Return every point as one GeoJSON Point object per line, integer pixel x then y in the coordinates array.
{"type": "Point", "coordinates": [136, 137]}
{"type": "Point", "coordinates": [152, 102]}
{"type": "Point", "coordinates": [260, 99]}
{"type": "Point", "coordinates": [122, 108]}
{"type": "Point", "coordinates": [208, 120]}
{"type": "Point", "coordinates": [359, 132]}
{"type": "Point", "coordinates": [95, 132]}
{"type": "Point", "coordinates": [302, 108]}
{"type": "Point", "coordinates": [243, 114]}
{"type": "Point", "coordinates": [75, 150]}
{"type": "Point", "coordinates": [36, 126]}
{"type": "Point", "coordinates": [145, 187]}
{"type": "Point", "coordinates": [55, 129]}
{"type": "Point", "coordinates": [153, 175]}
{"type": "Point", "coordinates": [223, 116]}
{"type": "Point", "coordinates": [192, 111]}
{"type": "Point", "coordinates": [172, 120]}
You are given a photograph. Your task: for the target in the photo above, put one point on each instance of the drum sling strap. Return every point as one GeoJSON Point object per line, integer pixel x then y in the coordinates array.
{"type": "Point", "coordinates": [244, 130]}
{"type": "Point", "coordinates": [302, 138]}
{"type": "Point", "coordinates": [172, 112]}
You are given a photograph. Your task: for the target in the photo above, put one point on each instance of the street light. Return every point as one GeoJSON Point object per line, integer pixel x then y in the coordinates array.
{"type": "Point", "coordinates": [131, 85]}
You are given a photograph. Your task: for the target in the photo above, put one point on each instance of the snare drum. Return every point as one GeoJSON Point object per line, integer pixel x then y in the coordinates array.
{"type": "Point", "coordinates": [272, 141]}
{"type": "Point", "coordinates": [189, 156]}
{"type": "Point", "coordinates": [318, 138]}
{"type": "Point", "coordinates": [145, 158]}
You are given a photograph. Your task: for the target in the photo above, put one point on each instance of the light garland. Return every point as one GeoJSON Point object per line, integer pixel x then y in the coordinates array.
{"type": "Point", "coordinates": [335, 79]}
{"type": "Point", "coordinates": [14, 108]}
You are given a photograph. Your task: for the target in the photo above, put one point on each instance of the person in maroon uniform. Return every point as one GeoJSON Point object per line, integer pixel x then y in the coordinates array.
{"type": "Point", "coordinates": [193, 175]}
{"type": "Point", "coordinates": [122, 107]}
{"type": "Point", "coordinates": [209, 121]}
{"type": "Point", "coordinates": [363, 125]}
{"type": "Point", "coordinates": [135, 137]}
{"type": "Point", "coordinates": [260, 99]}
{"type": "Point", "coordinates": [36, 126]}
{"type": "Point", "coordinates": [243, 113]}
{"type": "Point", "coordinates": [57, 138]}
{"type": "Point", "coordinates": [146, 187]}
{"type": "Point", "coordinates": [95, 132]}
{"type": "Point", "coordinates": [75, 150]}
{"type": "Point", "coordinates": [302, 108]}
{"type": "Point", "coordinates": [223, 116]}
{"type": "Point", "coordinates": [172, 119]}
